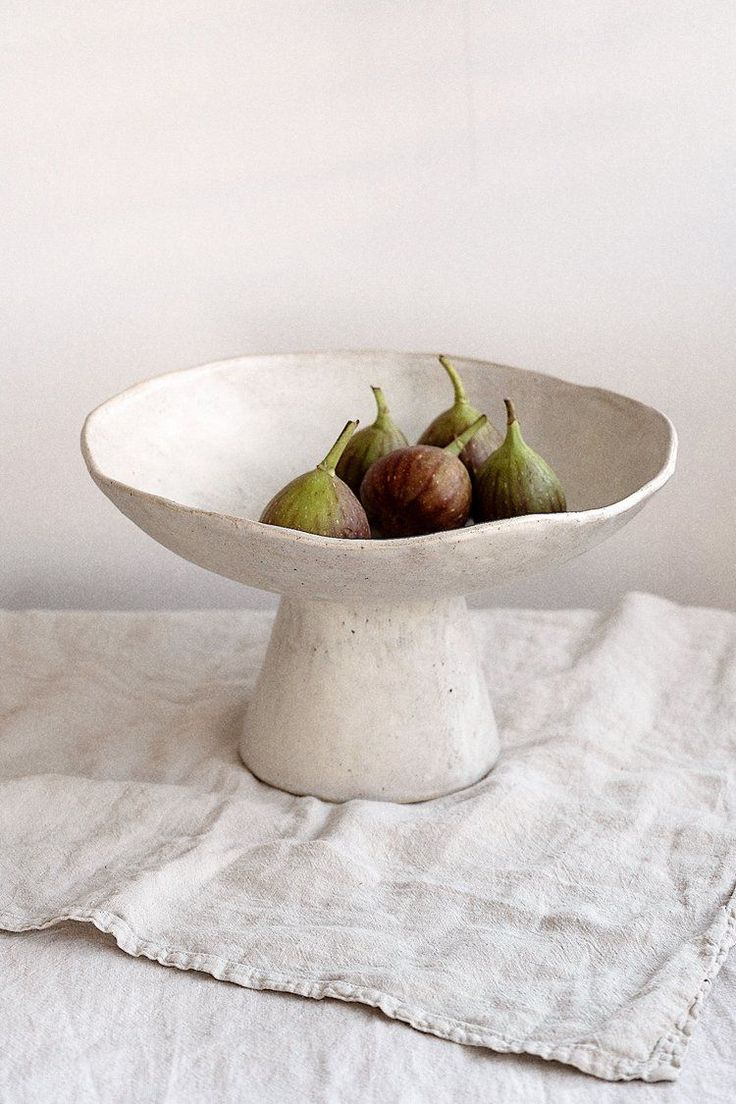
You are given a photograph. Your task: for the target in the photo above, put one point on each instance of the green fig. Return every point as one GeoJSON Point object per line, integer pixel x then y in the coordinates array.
{"type": "Point", "coordinates": [369, 445]}
{"type": "Point", "coordinates": [515, 480]}
{"type": "Point", "coordinates": [448, 425]}
{"type": "Point", "coordinates": [319, 502]}
{"type": "Point", "coordinates": [420, 489]}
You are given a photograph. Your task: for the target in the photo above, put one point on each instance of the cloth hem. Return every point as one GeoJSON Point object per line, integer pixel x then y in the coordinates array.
{"type": "Point", "coordinates": [663, 1064]}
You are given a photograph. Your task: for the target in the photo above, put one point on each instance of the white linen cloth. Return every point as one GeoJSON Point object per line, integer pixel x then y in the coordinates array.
{"type": "Point", "coordinates": [81, 1023]}
{"type": "Point", "coordinates": [576, 904]}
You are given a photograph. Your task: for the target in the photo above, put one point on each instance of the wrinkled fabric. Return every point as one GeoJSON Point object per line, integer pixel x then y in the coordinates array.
{"type": "Point", "coordinates": [81, 1023]}
{"type": "Point", "coordinates": [576, 904]}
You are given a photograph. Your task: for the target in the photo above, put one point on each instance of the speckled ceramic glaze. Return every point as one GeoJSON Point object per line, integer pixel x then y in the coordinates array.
{"type": "Point", "coordinates": [370, 687]}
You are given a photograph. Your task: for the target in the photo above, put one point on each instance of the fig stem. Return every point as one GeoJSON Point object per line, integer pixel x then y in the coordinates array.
{"type": "Point", "coordinates": [457, 383]}
{"type": "Point", "coordinates": [510, 412]}
{"type": "Point", "coordinates": [456, 447]}
{"type": "Point", "coordinates": [381, 404]}
{"type": "Point", "coordinates": [330, 461]}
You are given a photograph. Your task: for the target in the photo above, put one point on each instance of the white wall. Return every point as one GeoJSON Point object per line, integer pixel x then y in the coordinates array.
{"type": "Point", "coordinates": [548, 184]}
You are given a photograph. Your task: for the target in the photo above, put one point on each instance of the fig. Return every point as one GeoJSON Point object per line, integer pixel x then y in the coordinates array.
{"type": "Point", "coordinates": [420, 489]}
{"type": "Point", "coordinates": [515, 480]}
{"type": "Point", "coordinates": [450, 423]}
{"type": "Point", "coordinates": [319, 502]}
{"type": "Point", "coordinates": [369, 445]}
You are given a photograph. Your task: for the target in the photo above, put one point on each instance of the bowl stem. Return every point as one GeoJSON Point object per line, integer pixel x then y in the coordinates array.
{"type": "Point", "coordinates": [370, 701]}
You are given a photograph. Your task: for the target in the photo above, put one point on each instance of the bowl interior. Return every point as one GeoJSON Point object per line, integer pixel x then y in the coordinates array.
{"type": "Point", "coordinates": [227, 436]}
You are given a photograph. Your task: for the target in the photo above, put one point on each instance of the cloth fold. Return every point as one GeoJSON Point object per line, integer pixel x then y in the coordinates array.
{"type": "Point", "coordinates": [576, 904]}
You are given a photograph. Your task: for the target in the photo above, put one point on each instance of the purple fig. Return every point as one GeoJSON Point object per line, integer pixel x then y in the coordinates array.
{"type": "Point", "coordinates": [420, 489]}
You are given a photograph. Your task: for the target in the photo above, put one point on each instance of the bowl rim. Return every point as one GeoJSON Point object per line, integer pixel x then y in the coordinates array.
{"type": "Point", "coordinates": [314, 540]}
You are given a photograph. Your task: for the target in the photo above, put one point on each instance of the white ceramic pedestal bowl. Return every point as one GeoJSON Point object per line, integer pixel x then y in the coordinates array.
{"type": "Point", "coordinates": [371, 686]}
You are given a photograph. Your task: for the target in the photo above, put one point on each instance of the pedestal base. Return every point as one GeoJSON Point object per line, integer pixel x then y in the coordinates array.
{"type": "Point", "coordinates": [367, 701]}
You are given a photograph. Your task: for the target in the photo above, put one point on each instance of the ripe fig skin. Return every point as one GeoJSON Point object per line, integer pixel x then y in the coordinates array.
{"type": "Point", "coordinates": [369, 445]}
{"type": "Point", "coordinates": [319, 502]}
{"type": "Point", "coordinates": [515, 480]}
{"type": "Point", "coordinates": [417, 490]}
{"type": "Point", "coordinates": [452, 422]}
